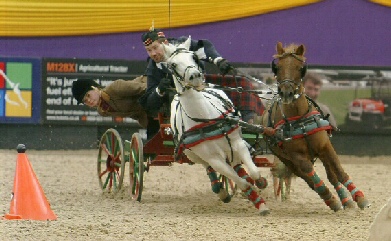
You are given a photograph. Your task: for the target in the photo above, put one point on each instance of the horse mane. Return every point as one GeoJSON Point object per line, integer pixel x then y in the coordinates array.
{"type": "Point", "coordinates": [291, 48]}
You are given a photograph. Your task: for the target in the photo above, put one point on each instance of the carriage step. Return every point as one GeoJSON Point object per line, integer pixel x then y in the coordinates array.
{"type": "Point", "coordinates": [168, 143]}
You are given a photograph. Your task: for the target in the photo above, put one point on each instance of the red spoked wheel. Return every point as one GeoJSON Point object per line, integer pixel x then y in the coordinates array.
{"type": "Point", "coordinates": [111, 162]}
{"type": "Point", "coordinates": [136, 166]}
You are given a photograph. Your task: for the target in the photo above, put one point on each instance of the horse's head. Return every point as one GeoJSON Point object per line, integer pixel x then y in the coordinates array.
{"type": "Point", "coordinates": [289, 67]}
{"type": "Point", "coordinates": [184, 65]}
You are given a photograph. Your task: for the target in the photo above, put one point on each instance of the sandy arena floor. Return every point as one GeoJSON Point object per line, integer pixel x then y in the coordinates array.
{"type": "Point", "coordinates": [178, 204]}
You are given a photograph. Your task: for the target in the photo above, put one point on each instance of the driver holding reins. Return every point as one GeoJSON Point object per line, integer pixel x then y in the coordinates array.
{"type": "Point", "coordinates": [159, 78]}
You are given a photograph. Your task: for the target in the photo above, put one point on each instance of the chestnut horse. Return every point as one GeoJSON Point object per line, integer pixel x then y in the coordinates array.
{"type": "Point", "coordinates": [302, 132]}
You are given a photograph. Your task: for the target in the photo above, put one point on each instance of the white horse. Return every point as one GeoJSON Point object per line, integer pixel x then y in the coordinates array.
{"type": "Point", "coordinates": [201, 130]}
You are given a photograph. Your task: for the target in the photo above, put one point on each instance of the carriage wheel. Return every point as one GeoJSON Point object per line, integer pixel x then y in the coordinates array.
{"type": "Point", "coordinates": [111, 161]}
{"type": "Point", "coordinates": [136, 166]}
{"type": "Point", "coordinates": [228, 185]}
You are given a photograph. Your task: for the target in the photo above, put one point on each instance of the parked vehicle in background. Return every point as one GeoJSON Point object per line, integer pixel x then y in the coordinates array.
{"type": "Point", "coordinates": [373, 112]}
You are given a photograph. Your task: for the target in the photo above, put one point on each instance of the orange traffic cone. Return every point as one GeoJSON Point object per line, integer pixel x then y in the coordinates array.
{"type": "Point", "coordinates": [28, 199]}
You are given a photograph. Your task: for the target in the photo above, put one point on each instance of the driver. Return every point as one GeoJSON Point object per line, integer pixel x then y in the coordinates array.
{"type": "Point", "coordinates": [159, 78]}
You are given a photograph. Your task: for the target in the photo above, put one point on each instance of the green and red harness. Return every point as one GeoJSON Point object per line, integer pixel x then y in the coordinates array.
{"type": "Point", "coordinates": [206, 131]}
{"type": "Point", "coordinates": [301, 126]}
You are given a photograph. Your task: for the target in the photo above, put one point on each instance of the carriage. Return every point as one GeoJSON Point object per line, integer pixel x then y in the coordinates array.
{"type": "Point", "coordinates": [295, 130]}
{"type": "Point", "coordinates": [114, 153]}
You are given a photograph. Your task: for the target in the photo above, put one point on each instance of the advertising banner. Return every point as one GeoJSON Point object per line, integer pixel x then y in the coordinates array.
{"type": "Point", "coordinates": [20, 90]}
{"type": "Point", "coordinates": [59, 106]}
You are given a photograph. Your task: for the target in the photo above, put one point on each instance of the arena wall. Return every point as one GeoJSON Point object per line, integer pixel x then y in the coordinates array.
{"type": "Point", "coordinates": [57, 137]}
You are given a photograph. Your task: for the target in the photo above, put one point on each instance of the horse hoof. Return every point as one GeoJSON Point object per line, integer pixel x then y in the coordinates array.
{"type": "Point", "coordinates": [227, 199]}
{"type": "Point", "coordinates": [263, 210]}
{"type": "Point", "coordinates": [261, 183]}
{"type": "Point", "coordinates": [349, 205]}
{"type": "Point", "coordinates": [285, 197]}
{"type": "Point", "coordinates": [363, 203]}
{"type": "Point", "coordinates": [336, 206]}
{"type": "Point", "coordinates": [224, 196]}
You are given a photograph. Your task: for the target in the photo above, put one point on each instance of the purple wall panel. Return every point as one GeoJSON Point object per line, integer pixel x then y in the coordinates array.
{"type": "Point", "coordinates": [335, 32]}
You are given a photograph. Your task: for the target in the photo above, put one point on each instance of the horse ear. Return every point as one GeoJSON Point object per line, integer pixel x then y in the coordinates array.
{"type": "Point", "coordinates": [300, 50]}
{"type": "Point", "coordinates": [168, 49]}
{"type": "Point", "coordinates": [280, 48]}
{"type": "Point", "coordinates": [187, 43]}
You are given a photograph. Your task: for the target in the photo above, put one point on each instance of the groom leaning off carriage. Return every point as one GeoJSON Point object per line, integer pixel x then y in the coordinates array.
{"type": "Point", "coordinates": [119, 99]}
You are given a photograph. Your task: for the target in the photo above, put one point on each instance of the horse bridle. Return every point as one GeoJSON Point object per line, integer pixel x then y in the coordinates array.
{"type": "Point", "coordinates": [291, 82]}
{"type": "Point", "coordinates": [275, 67]}
{"type": "Point", "coordinates": [179, 78]}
